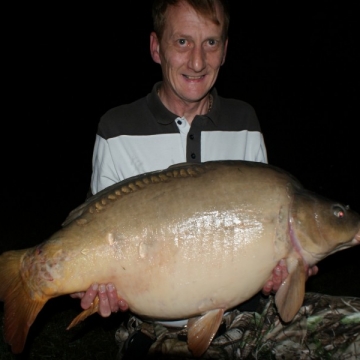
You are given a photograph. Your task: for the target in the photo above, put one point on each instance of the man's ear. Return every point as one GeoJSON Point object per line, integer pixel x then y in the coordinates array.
{"type": "Point", "coordinates": [225, 51]}
{"type": "Point", "coordinates": [155, 48]}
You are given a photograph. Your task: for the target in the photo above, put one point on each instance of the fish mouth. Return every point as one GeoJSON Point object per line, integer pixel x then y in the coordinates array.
{"type": "Point", "coordinates": [357, 237]}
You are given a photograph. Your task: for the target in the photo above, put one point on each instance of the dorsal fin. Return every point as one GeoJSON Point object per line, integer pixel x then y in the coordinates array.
{"type": "Point", "coordinates": [99, 201]}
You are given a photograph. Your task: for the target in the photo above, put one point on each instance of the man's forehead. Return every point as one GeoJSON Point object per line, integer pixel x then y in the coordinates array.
{"type": "Point", "coordinates": [181, 16]}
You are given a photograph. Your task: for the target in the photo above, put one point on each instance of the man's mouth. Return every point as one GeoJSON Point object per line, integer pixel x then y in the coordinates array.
{"type": "Point", "coordinates": [194, 77]}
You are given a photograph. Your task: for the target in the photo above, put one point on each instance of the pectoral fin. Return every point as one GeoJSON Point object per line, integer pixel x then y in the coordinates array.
{"type": "Point", "coordinates": [202, 330]}
{"type": "Point", "coordinates": [290, 296]}
{"type": "Point", "coordinates": [84, 314]}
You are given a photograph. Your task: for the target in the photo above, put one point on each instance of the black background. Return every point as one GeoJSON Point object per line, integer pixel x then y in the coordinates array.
{"type": "Point", "coordinates": [65, 66]}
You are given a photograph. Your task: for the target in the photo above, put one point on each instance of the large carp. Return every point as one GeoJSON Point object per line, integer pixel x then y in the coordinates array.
{"type": "Point", "coordinates": [189, 242]}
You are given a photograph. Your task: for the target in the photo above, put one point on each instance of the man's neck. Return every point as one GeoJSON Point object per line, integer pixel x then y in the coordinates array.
{"type": "Point", "coordinates": [186, 109]}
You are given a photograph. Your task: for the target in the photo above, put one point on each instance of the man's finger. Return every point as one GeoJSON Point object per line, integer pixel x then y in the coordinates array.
{"type": "Point", "coordinates": [78, 295]}
{"type": "Point", "coordinates": [89, 296]}
{"type": "Point", "coordinates": [104, 305]}
{"type": "Point", "coordinates": [123, 305]}
{"type": "Point", "coordinates": [112, 297]}
{"type": "Point", "coordinates": [267, 288]}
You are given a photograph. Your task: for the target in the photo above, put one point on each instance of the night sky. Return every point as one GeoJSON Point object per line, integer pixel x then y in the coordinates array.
{"type": "Point", "coordinates": [64, 67]}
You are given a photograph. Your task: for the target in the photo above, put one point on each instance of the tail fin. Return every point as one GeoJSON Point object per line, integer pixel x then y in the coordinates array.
{"type": "Point", "coordinates": [19, 307]}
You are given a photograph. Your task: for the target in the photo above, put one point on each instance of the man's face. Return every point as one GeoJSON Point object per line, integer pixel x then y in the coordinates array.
{"type": "Point", "coordinates": [190, 52]}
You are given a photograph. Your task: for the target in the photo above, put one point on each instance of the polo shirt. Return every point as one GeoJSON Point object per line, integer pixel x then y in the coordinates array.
{"type": "Point", "coordinates": [145, 136]}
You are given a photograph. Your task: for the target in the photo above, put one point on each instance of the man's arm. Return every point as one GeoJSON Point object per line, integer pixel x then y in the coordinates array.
{"type": "Point", "coordinates": [104, 171]}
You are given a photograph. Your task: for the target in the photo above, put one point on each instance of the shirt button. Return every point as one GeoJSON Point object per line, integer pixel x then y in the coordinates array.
{"type": "Point", "coordinates": [179, 122]}
{"type": "Point", "coordinates": [191, 136]}
{"type": "Point", "coordinates": [193, 156]}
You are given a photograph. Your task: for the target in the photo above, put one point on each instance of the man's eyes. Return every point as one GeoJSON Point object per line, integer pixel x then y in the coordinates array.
{"type": "Point", "coordinates": [210, 42]}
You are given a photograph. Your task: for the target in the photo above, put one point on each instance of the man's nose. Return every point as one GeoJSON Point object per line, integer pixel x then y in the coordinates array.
{"type": "Point", "coordinates": [197, 61]}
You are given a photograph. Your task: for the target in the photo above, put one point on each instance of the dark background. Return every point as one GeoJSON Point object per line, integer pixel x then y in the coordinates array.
{"type": "Point", "coordinates": [65, 66]}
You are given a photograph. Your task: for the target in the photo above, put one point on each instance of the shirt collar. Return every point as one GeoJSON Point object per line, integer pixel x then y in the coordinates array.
{"type": "Point", "coordinates": [164, 116]}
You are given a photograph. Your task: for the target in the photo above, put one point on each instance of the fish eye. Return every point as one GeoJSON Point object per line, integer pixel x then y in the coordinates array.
{"type": "Point", "coordinates": [339, 211]}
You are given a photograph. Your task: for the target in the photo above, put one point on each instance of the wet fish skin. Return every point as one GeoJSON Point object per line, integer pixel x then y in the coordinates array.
{"type": "Point", "coordinates": [191, 240]}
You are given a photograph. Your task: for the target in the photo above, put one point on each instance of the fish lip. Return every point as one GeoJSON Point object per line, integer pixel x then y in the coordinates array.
{"type": "Point", "coordinates": [357, 237]}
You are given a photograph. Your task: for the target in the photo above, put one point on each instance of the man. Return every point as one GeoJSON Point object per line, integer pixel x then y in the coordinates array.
{"type": "Point", "coordinates": [182, 120]}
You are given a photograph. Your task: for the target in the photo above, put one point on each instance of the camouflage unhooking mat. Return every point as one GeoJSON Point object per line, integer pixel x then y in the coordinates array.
{"type": "Point", "coordinates": [326, 327]}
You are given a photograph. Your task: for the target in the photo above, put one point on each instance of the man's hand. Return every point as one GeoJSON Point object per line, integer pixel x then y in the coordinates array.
{"type": "Point", "coordinates": [109, 301]}
{"type": "Point", "coordinates": [279, 274]}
